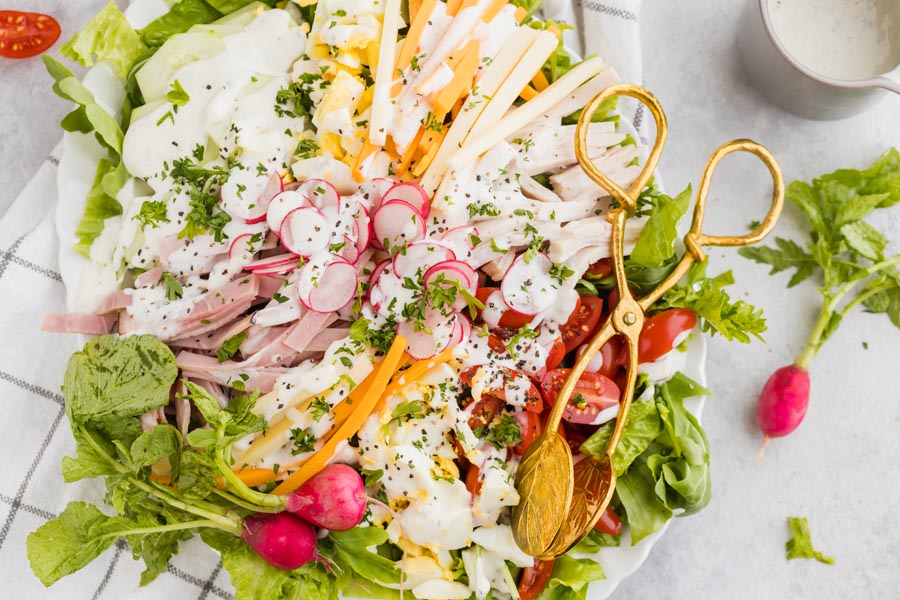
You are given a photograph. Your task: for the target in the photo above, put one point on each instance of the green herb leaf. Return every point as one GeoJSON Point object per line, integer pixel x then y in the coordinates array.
{"type": "Point", "coordinates": [230, 347]}
{"type": "Point", "coordinates": [412, 409]}
{"type": "Point", "coordinates": [656, 244]}
{"type": "Point", "coordinates": [787, 255]}
{"type": "Point", "coordinates": [571, 577]}
{"type": "Point", "coordinates": [800, 544]}
{"type": "Point", "coordinates": [114, 377]}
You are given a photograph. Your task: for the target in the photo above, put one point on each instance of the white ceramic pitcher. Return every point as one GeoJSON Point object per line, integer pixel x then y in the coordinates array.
{"type": "Point", "coordinates": [792, 85]}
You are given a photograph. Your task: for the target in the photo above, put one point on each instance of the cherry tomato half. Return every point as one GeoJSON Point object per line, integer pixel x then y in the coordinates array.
{"type": "Point", "coordinates": [25, 34]}
{"type": "Point", "coordinates": [661, 330]}
{"type": "Point", "coordinates": [533, 399]}
{"type": "Point", "coordinates": [582, 322]}
{"type": "Point", "coordinates": [493, 300]}
{"type": "Point", "coordinates": [609, 522]}
{"type": "Point", "coordinates": [593, 394]}
{"type": "Point", "coordinates": [602, 268]}
{"type": "Point", "coordinates": [473, 480]}
{"type": "Point", "coordinates": [556, 355]}
{"type": "Point", "coordinates": [534, 579]}
{"type": "Point", "coordinates": [531, 426]}
{"type": "Point", "coordinates": [611, 355]}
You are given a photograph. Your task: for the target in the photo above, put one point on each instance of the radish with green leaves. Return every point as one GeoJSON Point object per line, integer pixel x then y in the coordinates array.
{"type": "Point", "coordinates": [282, 539]}
{"type": "Point", "coordinates": [849, 255]}
{"type": "Point", "coordinates": [334, 498]}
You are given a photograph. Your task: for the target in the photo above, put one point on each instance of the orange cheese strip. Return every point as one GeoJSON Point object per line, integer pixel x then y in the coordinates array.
{"type": "Point", "coordinates": [493, 10]}
{"type": "Point", "coordinates": [540, 81]}
{"type": "Point", "coordinates": [253, 477]}
{"type": "Point", "coordinates": [521, 13]}
{"type": "Point", "coordinates": [411, 41]}
{"type": "Point", "coordinates": [453, 7]}
{"type": "Point", "coordinates": [407, 158]}
{"type": "Point", "coordinates": [528, 92]}
{"type": "Point", "coordinates": [414, 372]}
{"type": "Point", "coordinates": [361, 411]}
{"type": "Point", "coordinates": [430, 149]}
{"type": "Point", "coordinates": [463, 76]}
{"type": "Point", "coordinates": [414, 8]}
{"type": "Point", "coordinates": [366, 151]}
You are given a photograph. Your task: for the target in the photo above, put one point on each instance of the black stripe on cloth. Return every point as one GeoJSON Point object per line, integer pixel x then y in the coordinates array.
{"type": "Point", "coordinates": [34, 510]}
{"type": "Point", "coordinates": [53, 160]}
{"type": "Point", "coordinates": [208, 584]}
{"type": "Point", "coordinates": [4, 262]}
{"type": "Point", "coordinates": [12, 258]}
{"type": "Point", "coordinates": [30, 387]}
{"type": "Point", "coordinates": [120, 547]}
{"type": "Point", "coordinates": [611, 10]}
{"type": "Point", "coordinates": [188, 578]}
{"type": "Point", "coordinates": [17, 501]}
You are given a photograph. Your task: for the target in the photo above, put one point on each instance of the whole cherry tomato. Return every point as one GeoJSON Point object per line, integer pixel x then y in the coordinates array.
{"type": "Point", "coordinates": [593, 394]}
{"type": "Point", "coordinates": [26, 34]}
{"type": "Point", "coordinates": [661, 330]}
{"type": "Point", "coordinates": [609, 522]}
{"type": "Point", "coordinates": [534, 579]}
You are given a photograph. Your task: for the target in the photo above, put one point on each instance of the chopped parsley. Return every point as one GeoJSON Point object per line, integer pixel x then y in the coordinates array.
{"type": "Point", "coordinates": [177, 95]}
{"type": "Point", "coordinates": [152, 213]}
{"type": "Point", "coordinates": [318, 408]}
{"type": "Point", "coordinates": [306, 149]}
{"type": "Point", "coordinates": [230, 347]}
{"type": "Point", "coordinates": [412, 409]}
{"type": "Point", "coordinates": [174, 291]}
{"type": "Point", "coordinates": [304, 441]}
{"type": "Point", "coordinates": [503, 432]}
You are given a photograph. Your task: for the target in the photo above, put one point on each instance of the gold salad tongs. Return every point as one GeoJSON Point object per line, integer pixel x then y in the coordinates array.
{"type": "Point", "coordinates": [561, 502]}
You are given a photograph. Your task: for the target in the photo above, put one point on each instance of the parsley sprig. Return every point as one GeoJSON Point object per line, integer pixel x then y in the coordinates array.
{"type": "Point", "coordinates": [843, 249]}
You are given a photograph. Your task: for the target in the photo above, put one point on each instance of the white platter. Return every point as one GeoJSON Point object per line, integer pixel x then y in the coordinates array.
{"type": "Point", "coordinates": [76, 173]}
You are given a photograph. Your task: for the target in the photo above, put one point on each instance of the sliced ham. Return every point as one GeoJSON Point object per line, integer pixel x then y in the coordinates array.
{"type": "Point", "coordinates": [149, 278]}
{"type": "Point", "coordinates": [258, 337]}
{"type": "Point", "coordinates": [78, 323]}
{"type": "Point", "coordinates": [212, 310]}
{"type": "Point", "coordinates": [327, 337]}
{"type": "Point", "coordinates": [229, 373]}
{"type": "Point", "coordinates": [304, 331]}
{"type": "Point", "coordinates": [114, 302]}
{"type": "Point", "coordinates": [215, 339]}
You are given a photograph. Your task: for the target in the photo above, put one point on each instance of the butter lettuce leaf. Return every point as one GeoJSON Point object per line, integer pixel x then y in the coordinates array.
{"type": "Point", "coordinates": [108, 37]}
{"type": "Point", "coordinates": [570, 578]}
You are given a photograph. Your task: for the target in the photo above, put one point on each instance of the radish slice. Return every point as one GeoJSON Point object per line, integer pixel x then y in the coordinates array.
{"type": "Point", "coordinates": [273, 261]}
{"type": "Point", "coordinates": [325, 287]}
{"type": "Point", "coordinates": [374, 190]}
{"type": "Point", "coordinates": [421, 255]}
{"type": "Point", "coordinates": [363, 228]}
{"type": "Point", "coordinates": [305, 231]}
{"type": "Point", "coordinates": [243, 247]}
{"type": "Point", "coordinates": [320, 193]}
{"type": "Point", "coordinates": [258, 212]}
{"type": "Point", "coordinates": [411, 193]}
{"type": "Point", "coordinates": [396, 224]}
{"type": "Point", "coordinates": [279, 269]}
{"type": "Point", "coordinates": [349, 251]}
{"type": "Point", "coordinates": [281, 206]}
{"type": "Point", "coordinates": [462, 330]}
{"type": "Point", "coordinates": [450, 274]}
{"type": "Point", "coordinates": [421, 344]}
{"type": "Point", "coordinates": [462, 238]}
{"type": "Point", "coordinates": [527, 286]}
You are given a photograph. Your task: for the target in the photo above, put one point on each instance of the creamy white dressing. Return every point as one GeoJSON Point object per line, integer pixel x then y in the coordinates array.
{"type": "Point", "coordinates": [845, 39]}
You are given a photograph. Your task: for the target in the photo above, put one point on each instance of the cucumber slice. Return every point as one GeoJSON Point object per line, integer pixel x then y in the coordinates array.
{"type": "Point", "coordinates": [142, 111]}
{"type": "Point", "coordinates": [178, 51]}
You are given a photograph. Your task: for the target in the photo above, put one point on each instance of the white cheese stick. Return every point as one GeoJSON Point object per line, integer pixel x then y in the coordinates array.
{"type": "Point", "coordinates": [526, 113]}
{"type": "Point", "coordinates": [384, 75]}
{"type": "Point", "coordinates": [501, 67]}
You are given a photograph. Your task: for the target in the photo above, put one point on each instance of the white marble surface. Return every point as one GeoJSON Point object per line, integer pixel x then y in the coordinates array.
{"type": "Point", "coordinates": [839, 469]}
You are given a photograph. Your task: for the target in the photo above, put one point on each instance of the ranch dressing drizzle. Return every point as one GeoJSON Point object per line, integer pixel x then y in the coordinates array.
{"type": "Point", "coordinates": [844, 39]}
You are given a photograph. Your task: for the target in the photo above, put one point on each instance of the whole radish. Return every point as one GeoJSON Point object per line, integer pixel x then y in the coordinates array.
{"type": "Point", "coordinates": [783, 401]}
{"type": "Point", "coordinates": [281, 539]}
{"type": "Point", "coordinates": [334, 498]}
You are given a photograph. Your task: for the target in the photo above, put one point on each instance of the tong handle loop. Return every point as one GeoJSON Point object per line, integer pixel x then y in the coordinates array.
{"type": "Point", "coordinates": [625, 198]}
{"type": "Point", "coordinates": [696, 239]}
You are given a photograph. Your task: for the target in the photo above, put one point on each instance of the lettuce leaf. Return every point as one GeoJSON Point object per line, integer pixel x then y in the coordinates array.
{"type": "Point", "coordinates": [181, 17]}
{"type": "Point", "coordinates": [656, 244]}
{"type": "Point", "coordinates": [100, 206]}
{"type": "Point", "coordinates": [108, 37]}
{"type": "Point", "coordinates": [663, 458]}
{"type": "Point", "coordinates": [570, 578]}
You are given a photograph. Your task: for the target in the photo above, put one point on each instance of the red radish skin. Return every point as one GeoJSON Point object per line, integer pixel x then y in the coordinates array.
{"type": "Point", "coordinates": [282, 539]}
{"type": "Point", "coordinates": [783, 401]}
{"type": "Point", "coordinates": [334, 498]}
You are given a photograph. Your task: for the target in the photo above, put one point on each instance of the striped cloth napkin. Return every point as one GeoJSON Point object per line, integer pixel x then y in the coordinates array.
{"type": "Point", "coordinates": [35, 435]}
